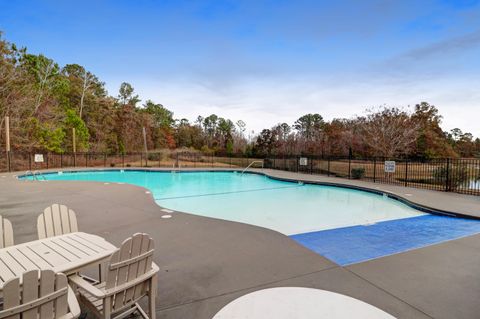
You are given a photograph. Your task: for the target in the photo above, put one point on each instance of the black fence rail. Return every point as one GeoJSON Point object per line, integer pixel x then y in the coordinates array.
{"type": "Point", "coordinates": [461, 175]}
{"type": "Point", "coordinates": [22, 161]}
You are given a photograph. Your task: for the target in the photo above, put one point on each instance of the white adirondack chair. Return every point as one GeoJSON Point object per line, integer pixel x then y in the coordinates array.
{"type": "Point", "coordinates": [56, 220]}
{"type": "Point", "coordinates": [130, 276]}
{"type": "Point", "coordinates": [47, 296]}
{"type": "Point", "coordinates": [6, 233]}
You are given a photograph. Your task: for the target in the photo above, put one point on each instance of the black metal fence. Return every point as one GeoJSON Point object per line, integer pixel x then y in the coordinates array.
{"type": "Point", "coordinates": [23, 161]}
{"type": "Point", "coordinates": [461, 175]}
{"type": "Point", "coordinates": [450, 174]}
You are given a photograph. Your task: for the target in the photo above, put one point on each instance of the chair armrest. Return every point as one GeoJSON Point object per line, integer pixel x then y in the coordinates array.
{"type": "Point", "coordinates": [82, 283]}
{"type": "Point", "coordinates": [73, 305]}
{"type": "Point", "coordinates": [134, 282]}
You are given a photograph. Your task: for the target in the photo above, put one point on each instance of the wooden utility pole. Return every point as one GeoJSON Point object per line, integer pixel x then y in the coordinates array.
{"type": "Point", "coordinates": [7, 133]}
{"type": "Point", "coordinates": [7, 141]}
{"type": "Point", "coordinates": [145, 146]}
{"type": "Point", "coordinates": [74, 142]}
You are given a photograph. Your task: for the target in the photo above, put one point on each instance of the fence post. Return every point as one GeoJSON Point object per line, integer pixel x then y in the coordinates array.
{"type": "Point", "coordinates": [86, 159]}
{"type": "Point", "coordinates": [7, 142]}
{"type": "Point", "coordinates": [311, 165]}
{"type": "Point", "coordinates": [29, 161]}
{"type": "Point", "coordinates": [374, 169]}
{"type": "Point", "coordinates": [298, 160]}
{"type": "Point", "coordinates": [145, 145]}
{"type": "Point", "coordinates": [61, 160]}
{"type": "Point", "coordinates": [74, 143]}
{"type": "Point", "coordinates": [349, 165]}
{"type": "Point", "coordinates": [104, 159]}
{"type": "Point", "coordinates": [47, 160]}
{"type": "Point", "coordinates": [141, 159]}
{"type": "Point", "coordinates": [328, 165]}
{"type": "Point", "coordinates": [406, 172]}
{"type": "Point", "coordinates": [447, 176]}
{"type": "Point", "coordinates": [9, 161]}
{"type": "Point", "coordinates": [123, 160]}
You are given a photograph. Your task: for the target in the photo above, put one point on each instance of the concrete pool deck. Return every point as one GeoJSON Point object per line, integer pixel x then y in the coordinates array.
{"type": "Point", "coordinates": [206, 263]}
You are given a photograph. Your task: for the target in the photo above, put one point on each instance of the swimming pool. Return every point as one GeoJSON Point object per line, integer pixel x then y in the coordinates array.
{"type": "Point", "coordinates": [290, 208]}
{"type": "Point", "coordinates": [345, 225]}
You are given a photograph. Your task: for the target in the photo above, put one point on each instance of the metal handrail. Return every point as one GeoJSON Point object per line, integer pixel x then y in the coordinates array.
{"type": "Point", "coordinates": [251, 165]}
{"type": "Point", "coordinates": [36, 174]}
{"type": "Point", "coordinates": [31, 173]}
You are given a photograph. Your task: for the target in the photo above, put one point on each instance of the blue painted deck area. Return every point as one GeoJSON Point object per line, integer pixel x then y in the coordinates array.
{"type": "Point", "coordinates": [351, 245]}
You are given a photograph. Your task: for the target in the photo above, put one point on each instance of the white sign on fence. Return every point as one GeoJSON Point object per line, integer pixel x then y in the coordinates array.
{"type": "Point", "coordinates": [38, 158]}
{"type": "Point", "coordinates": [389, 166]}
{"type": "Point", "coordinates": [303, 161]}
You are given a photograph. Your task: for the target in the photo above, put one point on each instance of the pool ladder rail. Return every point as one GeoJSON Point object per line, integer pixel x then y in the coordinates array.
{"type": "Point", "coordinates": [253, 162]}
{"type": "Point", "coordinates": [35, 175]}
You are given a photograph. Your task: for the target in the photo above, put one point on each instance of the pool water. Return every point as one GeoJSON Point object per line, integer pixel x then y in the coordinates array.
{"type": "Point", "coordinates": [345, 225]}
{"type": "Point", "coordinates": [290, 208]}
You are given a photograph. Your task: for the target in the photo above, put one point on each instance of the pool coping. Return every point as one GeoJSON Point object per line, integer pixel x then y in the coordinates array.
{"type": "Point", "coordinates": [343, 183]}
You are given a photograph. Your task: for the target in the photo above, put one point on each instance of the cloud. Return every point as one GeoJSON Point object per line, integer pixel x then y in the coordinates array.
{"type": "Point", "coordinates": [458, 44]}
{"type": "Point", "coordinates": [452, 59]}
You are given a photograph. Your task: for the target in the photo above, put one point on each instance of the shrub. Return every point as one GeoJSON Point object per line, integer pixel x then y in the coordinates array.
{"type": "Point", "coordinates": [457, 176]}
{"type": "Point", "coordinates": [358, 173]}
{"type": "Point", "coordinates": [267, 163]}
{"type": "Point", "coordinates": [154, 156]}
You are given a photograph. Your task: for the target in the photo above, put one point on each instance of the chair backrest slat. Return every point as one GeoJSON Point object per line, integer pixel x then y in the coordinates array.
{"type": "Point", "coordinates": [43, 297]}
{"type": "Point", "coordinates": [125, 253]}
{"type": "Point", "coordinates": [30, 293]}
{"type": "Point", "coordinates": [6, 233]}
{"type": "Point", "coordinates": [56, 220]}
{"type": "Point", "coordinates": [47, 286]}
{"type": "Point", "coordinates": [10, 297]}
{"type": "Point", "coordinates": [61, 303]}
{"type": "Point", "coordinates": [126, 264]}
{"type": "Point", "coordinates": [135, 256]}
{"type": "Point", "coordinates": [144, 265]}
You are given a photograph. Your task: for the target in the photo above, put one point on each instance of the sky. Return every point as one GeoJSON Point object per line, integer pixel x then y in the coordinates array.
{"type": "Point", "coordinates": [264, 61]}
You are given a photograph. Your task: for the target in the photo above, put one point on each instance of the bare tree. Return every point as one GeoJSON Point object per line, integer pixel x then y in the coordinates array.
{"type": "Point", "coordinates": [88, 79]}
{"type": "Point", "coordinates": [44, 73]}
{"type": "Point", "coordinates": [389, 131]}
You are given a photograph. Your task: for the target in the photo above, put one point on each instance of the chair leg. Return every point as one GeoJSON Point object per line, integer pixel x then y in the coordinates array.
{"type": "Point", "coordinates": [106, 308]}
{"type": "Point", "coordinates": [151, 297]}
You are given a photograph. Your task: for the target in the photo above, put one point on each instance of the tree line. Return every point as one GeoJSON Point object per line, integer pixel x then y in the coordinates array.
{"type": "Point", "coordinates": [382, 131]}
{"type": "Point", "coordinates": [45, 101]}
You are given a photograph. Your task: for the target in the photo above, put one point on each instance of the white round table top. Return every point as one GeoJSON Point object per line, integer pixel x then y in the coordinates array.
{"type": "Point", "coordinates": [299, 303]}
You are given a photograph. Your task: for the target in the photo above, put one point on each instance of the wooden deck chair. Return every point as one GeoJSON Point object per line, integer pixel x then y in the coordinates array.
{"type": "Point", "coordinates": [56, 220]}
{"type": "Point", "coordinates": [47, 296]}
{"type": "Point", "coordinates": [6, 233]}
{"type": "Point", "coordinates": [130, 276]}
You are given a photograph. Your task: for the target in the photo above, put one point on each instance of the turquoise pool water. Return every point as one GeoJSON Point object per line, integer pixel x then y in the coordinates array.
{"type": "Point", "coordinates": [290, 208]}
